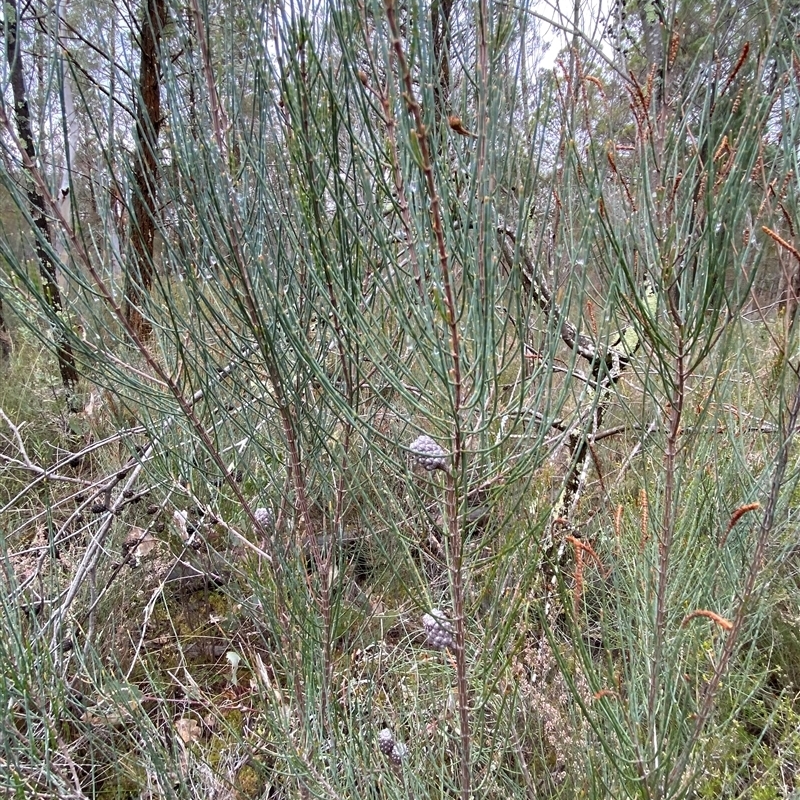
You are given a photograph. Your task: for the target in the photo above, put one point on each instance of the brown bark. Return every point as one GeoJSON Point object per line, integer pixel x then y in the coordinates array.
{"type": "Point", "coordinates": [139, 276]}
{"type": "Point", "coordinates": [43, 239]}
{"type": "Point", "coordinates": [5, 336]}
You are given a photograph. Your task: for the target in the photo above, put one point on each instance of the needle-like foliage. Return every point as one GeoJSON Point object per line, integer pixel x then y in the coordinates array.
{"type": "Point", "coordinates": [447, 449]}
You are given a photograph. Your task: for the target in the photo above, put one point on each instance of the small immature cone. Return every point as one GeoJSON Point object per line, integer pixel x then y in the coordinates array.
{"type": "Point", "coordinates": [439, 629]}
{"type": "Point", "coordinates": [386, 741]}
{"type": "Point", "coordinates": [398, 753]}
{"type": "Point", "coordinates": [265, 518]}
{"type": "Point", "coordinates": [428, 454]}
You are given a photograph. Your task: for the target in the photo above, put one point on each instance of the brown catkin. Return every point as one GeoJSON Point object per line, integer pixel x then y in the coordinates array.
{"type": "Point", "coordinates": [737, 67]}
{"type": "Point", "coordinates": [645, 520]}
{"type": "Point", "coordinates": [713, 616]}
{"type": "Point", "coordinates": [782, 242]}
{"type": "Point", "coordinates": [673, 48]}
{"type": "Point", "coordinates": [723, 147]}
{"type": "Point", "coordinates": [735, 517]}
{"type": "Point", "coordinates": [597, 82]}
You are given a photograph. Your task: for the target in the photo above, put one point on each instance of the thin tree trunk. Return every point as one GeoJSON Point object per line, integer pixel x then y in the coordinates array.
{"type": "Point", "coordinates": [113, 205]}
{"type": "Point", "coordinates": [139, 276]}
{"type": "Point", "coordinates": [5, 337]}
{"type": "Point", "coordinates": [43, 239]}
{"type": "Point", "coordinates": [65, 198]}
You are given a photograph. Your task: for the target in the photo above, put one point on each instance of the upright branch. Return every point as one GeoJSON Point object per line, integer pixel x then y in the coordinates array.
{"type": "Point", "coordinates": [325, 557]}
{"type": "Point", "coordinates": [440, 23]}
{"type": "Point", "coordinates": [219, 123]}
{"type": "Point", "coordinates": [420, 133]}
{"type": "Point", "coordinates": [666, 539]}
{"type": "Point", "coordinates": [42, 240]}
{"type": "Point", "coordinates": [139, 276]}
{"type": "Point", "coordinates": [218, 118]}
{"type": "Point", "coordinates": [607, 363]}
{"type": "Point", "coordinates": [251, 310]}
{"type": "Point", "coordinates": [383, 95]}
{"type": "Point", "coordinates": [482, 136]}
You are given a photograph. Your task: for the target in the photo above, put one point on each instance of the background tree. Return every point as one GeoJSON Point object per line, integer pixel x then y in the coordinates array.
{"type": "Point", "coordinates": [144, 203]}
{"type": "Point", "coordinates": [38, 216]}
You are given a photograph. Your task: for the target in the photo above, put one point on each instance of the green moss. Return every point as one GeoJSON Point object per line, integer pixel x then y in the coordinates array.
{"type": "Point", "coordinates": [249, 782]}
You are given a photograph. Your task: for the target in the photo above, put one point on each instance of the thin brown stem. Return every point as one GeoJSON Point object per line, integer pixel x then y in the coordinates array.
{"type": "Point", "coordinates": [218, 119]}
{"type": "Point", "coordinates": [456, 578]}
{"type": "Point", "coordinates": [421, 132]}
{"type": "Point", "coordinates": [482, 134]}
{"type": "Point", "coordinates": [220, 126]}
{"type": "Point", "coordinates": [665, 540]}
{"type": "Point", "coordinates": [452, 501]}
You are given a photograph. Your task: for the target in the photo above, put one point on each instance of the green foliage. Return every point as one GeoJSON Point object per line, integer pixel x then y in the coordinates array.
{"type": "Point", "coordinates": [371, 228]}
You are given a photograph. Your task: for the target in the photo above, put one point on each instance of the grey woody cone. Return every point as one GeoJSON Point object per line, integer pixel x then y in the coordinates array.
{"type": "Point", "coordinates": [428, 454]}
{"type": "Point", "coordinates": [398, 753]}
{"type": "Point", "coordinates": [386, 741]}
{"type": "Point", "coordinates": [439, 629]}
{"type": "Point", "coordinates": [265, 518]}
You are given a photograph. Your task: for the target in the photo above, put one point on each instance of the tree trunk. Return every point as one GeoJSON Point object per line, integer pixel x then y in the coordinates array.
{"type": "Point", "coordinates": [5, 337]}
{"type": "Point", "coordinates": [139, 275]}
{"type": "Point", "coordinates": [43, 239]}
{"type": "Point", "coordinates": [65, 199]}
